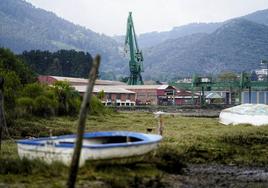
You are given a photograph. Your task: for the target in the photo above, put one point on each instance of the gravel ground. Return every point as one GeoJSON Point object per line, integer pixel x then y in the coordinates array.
{"type": "Point", "coordinates": [219, 176]}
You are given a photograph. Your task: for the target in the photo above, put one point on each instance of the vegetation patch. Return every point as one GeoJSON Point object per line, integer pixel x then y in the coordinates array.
{"type": "Point", "coordinates": [185, 140]}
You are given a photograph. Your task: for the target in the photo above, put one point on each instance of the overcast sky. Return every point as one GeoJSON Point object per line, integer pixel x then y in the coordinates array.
{"type": "Point", "coordinates": [109, 16]}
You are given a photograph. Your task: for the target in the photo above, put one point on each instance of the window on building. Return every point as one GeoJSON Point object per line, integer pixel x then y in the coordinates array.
{"type": "Point", "coordinates": [261, 98]}
{"type": "Point", "coordinates": [141, 94]}
{"type": "Point", "coordinates": [127, 96]}
{"type": "Point", "coordinates": [118, 96]}
{"type": "Point", "coordinates": [254, 97]}
{"type": "Point", "coordinates": [170, 92]}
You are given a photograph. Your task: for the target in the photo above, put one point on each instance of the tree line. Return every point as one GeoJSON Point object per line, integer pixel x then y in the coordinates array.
{"type": "Point", "coordinates": [69, 63]}
{"type": "Point", "coordinates": [25, 97]}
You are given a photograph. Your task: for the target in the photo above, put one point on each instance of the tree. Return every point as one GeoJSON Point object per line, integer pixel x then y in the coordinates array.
{"type": "Point", "coordinates": [107, 75]}
{"type": "Point", "coordinates": [33, 90]}
{"type": "Point", "coordinates": [254, 76]}
{"type": "Point", "coordinates": [123, 79]}
{"type": "Point", "coordinates": [25, 106]}
{"type": "Point", "coordinates": [12, 88]}
{"type": "Point", "coordinates": [43, 106]}
{"type": "Point", "coordinates": [16, 74]}
{"type": "Point", "coordinates": [9, 62]}
{"type": "Point", "coordinates": [101, 95]}
{"type": "Point", "coordinates": [69, 99]}
{"type": "Point", "coordinates": [61, 63]}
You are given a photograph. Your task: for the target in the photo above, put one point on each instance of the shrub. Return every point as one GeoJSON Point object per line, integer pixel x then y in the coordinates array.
{"type": "Point", "coordinates": [37, 99]}
{"type": "Point", "coordinates": [68, 99]}
{"type": "Point", "coordinates": [12, 85]}
{"type": "Point", "coordinates": [74, 106]}
{"type": "Point", "coordinates": [96, 107]}
{"type": "Point", "coordinates": [33, 90]}
{"type": "Point", "coordinates": [43, 106]}
{"type": "Point", "coordinates": [101, 95]}
{"type": "Point", "coordinates": [25, 106]}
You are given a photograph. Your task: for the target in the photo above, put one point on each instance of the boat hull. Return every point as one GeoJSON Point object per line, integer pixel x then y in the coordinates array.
{"type": "Point", "coordinates": [96, 146]}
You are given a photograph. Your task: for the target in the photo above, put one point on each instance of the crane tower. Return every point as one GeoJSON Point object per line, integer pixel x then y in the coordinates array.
{"type": "Point", "coordinates": [136, 57]}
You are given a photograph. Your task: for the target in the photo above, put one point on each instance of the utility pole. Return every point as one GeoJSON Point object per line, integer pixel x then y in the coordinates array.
{"type": "Point", "coordinates": [81, 123]}
{"type": "Point", "coordinates": [173, 101]}
{"type": "Point", "coordinates": [264, 64]}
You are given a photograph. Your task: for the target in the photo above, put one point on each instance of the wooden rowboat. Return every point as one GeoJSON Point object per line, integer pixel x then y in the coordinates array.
{"type": "Point", "coordinates": [96, 146]}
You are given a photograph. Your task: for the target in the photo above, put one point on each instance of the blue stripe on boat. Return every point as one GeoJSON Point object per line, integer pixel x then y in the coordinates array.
{"type": "Point", "coordinates": [145, 139]}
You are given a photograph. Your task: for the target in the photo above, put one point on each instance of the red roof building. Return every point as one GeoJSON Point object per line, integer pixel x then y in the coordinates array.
{"type": "Point", "coordinates": [184, 97]}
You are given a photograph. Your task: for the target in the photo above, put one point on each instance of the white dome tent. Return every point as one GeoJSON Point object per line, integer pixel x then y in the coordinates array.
{"type": "Point", "coordinates": [254, 114]}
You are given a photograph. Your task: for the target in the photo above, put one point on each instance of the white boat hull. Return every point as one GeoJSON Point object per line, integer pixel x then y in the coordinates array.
{"type": "Point", "coordinates": [50, 150]}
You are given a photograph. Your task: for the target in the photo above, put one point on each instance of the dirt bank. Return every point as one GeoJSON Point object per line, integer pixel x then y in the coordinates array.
{"type": "Point", "coordinates": [219, 176]}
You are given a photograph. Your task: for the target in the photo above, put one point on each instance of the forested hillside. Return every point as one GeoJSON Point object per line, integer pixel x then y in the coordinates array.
{"type": "Point", "coordinates": [260, 17]}
{"type": "Point", "coordinates": [238, 45]}
{"type": "Point", "coordinates": [202, 48]}
{"type": "Point", "coordinates": [152, 39]}
{"type": "Point", "coordinates": [24, 27]}
{"type": "Point", "coordinates": [147, 40]}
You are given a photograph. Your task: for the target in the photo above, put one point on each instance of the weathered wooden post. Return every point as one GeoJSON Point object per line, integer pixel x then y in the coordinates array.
{"type": "Point", "coordinates": [1, 108]}
{"type": "Point", "coordinates": [160, 127]}
{"type": "Point", "coordinates": [3, 125]}
{"type": "Point", "coordinates": [81, 122]}
{"type": "Point", "coordinates": [2, 112]}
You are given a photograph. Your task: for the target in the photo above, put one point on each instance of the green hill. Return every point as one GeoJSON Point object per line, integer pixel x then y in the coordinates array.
{"type": "Point", "coordinates": [204, 48]}
{"type": "Point", "coordinates": [24, 27]}
{"type": "Point", "coordinates": [238, 45]}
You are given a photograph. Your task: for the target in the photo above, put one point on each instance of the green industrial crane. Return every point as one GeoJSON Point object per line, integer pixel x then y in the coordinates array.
{"type": "Point", "coordinates": [136, 57]}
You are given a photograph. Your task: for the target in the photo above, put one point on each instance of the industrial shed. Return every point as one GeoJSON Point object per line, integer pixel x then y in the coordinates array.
{"type": "Point", "coordinates": [153, 94]}
{"type": "Point", "coordinates": [113, 95]}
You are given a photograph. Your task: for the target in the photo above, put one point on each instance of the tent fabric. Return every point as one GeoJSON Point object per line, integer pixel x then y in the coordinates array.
{"type": "Point", "coordinates": [254, 114]}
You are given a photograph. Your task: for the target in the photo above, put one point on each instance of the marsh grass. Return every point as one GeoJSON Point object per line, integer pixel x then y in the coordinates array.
{"type": "Point", "coordinates": [138, 171]}
{"type": "Point", "coordinates": [186, 140]}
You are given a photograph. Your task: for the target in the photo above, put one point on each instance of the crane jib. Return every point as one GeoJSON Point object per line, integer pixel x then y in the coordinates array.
{"type": "Point", "coordinates": [136, 57]}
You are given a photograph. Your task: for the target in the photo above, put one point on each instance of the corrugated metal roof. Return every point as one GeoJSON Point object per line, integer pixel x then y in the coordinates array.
{"type": "Point", "coordinates": [85, 81]}
{"type": "Point", "coordinates": [69, 79]}
{"type": "Point", "coordinates": [163, 87]}
{"type": "Point", "coordinates": [214, 95]}
{"type": "Point", "coordinates": [109, 82]}
{"type": "Point", "coordinates": [106, 89]}
{"type": "Point", "coordinates": [145, 86]}
{"type": "Point", "coordinates": [184, 93]}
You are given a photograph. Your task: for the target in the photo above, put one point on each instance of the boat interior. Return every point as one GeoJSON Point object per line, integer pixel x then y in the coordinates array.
{"type": "Point", "coordinates": [101, 140]}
